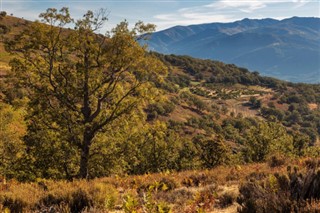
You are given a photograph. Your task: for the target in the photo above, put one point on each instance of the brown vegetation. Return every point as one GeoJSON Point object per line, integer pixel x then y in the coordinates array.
{"type": "Point", "coordinates": [190, 191]}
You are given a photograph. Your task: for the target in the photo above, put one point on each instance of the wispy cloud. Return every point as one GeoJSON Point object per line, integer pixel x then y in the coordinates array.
{"type": "Point", "coordinates": [227, 10]}
{"type": "Point", "coordinates": [242, 5]}
{"type": "Point", "coordinates": [301, 3]}
{"type": "Point", "coordinates": [253, 5]}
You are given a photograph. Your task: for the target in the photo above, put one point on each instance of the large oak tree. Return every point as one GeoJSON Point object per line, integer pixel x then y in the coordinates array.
{"type": "Point", "coordinates": [80, 81]}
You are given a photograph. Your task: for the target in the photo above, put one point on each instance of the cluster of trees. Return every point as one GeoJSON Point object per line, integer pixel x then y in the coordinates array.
{"type": "Point", "coordinates": [299, 116]}
{"type": "Point", "coordinates": [297, 97]}
{"type": "Point", "coordinates": [220, 72]}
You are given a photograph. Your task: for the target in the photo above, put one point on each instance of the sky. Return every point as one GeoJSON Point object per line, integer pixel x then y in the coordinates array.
{"type": "Point", "coordinates": [169, 13]}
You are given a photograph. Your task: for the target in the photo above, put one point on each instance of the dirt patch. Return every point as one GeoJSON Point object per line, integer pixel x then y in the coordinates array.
{"type": "Point", "coordinates": [313, 106]}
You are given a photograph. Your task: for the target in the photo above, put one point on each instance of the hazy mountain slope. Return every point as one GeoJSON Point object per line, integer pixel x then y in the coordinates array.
{"type": "Point", "coordinates": [286, 49]}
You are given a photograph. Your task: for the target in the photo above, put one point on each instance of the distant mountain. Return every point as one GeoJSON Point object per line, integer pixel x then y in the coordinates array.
{"type": "Point", "coordinates": [288, 49]}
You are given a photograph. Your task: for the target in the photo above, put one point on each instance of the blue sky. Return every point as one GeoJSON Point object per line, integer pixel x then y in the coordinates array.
{"type": "Point", "coordinates": [168, 13]}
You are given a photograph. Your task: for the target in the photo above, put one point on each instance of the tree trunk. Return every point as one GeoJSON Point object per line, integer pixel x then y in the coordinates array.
{"type": "Point", "coordinates": [83, 173]}
{"type": "Point", "coordinates": [85, 151]}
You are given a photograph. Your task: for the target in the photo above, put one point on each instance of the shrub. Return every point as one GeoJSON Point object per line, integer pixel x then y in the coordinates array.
{"type": "Point", "coordinates": [203, 200]}
{"type": "Point", "coordinates": [256, 176]}
{"type": "Point", "coordinates": [80, 200]}
{"type": "Point", "coordinates": [312, 163]}
{"type": "Point", "coordinates": [50, 200]}
{"type": "Point", "coordinates": [163, 208]}
{"type": "Point", "coordinates": [167, 184]}
{"type": "Point", "coordinates": [233, 175]}
{"type": "Point", "coordinates": [15, 205]}
{"type": "Point", "coordinates": [197, 180]}
{"type": "Point", "coordinates": [130, 204]}
{"type": "Point", "coordinates": [3, 14]}
{"type": "Point", "coordinates": [282, 193]}
{"type": "Point", "coordinates": [276, 160]}
{"type": "Point", "coordinates": [226, 199]}
{"type": "Point", "coordinates": [212, 152]}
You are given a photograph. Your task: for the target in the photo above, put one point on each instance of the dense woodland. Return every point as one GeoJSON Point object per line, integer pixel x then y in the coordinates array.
{"type": "Point", "coordinates": [77, 104]}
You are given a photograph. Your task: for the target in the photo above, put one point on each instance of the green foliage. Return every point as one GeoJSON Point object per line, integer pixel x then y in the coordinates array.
{"type": "Point", "coordinates": [212, 152]}
{"type": "Point", "coordinates": [87, 80]}
{"type": "Point", "coordinates": [193, 100]}
{"type": "Point", "coordinates": [158, 149]}
{"type": "Point", "coordinates": [254, 102]}
{"type": "Point", "coordinates": [264, 139]}
{"type": "Point", "coordinates": [12, 148]}
{"type": "Point", "coordinates": [271, 113]}
{"type": "Point", "coordinates": [130, 204]}
{"type": "Point", "coordinates": [163, 108]}
{"type": "Point", "coordinates": [181, 80]}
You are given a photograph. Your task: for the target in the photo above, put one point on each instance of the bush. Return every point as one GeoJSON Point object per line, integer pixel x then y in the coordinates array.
{"type": "Point", "coordinates": [80, 200]}
{"type": "Point", "coordinates": [167, 184]}
{"type": "Point", "coordinates": [294, 192]}
{"type": "Point", "coordinates": [203, 200]}
{"type": "Point", "coordinates": [130, 204]}
{"type": "Point", "coordinates": [50, 200]}
{"type": "Point", "coordinates": [276, 160]}
{"type": "Point", "coordinates": [212, 152]}
{"type": "Point", "coordinates": [226, 199]}
{"type": "Point", "coordinates": [194, 180]}
{"type": "Point", "coordinates": [256, 176]}
{"type": "Point", "coordinates": [3, 14]}
{"type": "Point", "coordinates": [15, 205]}
{"type": "Point", "coordinates": [312, 163]}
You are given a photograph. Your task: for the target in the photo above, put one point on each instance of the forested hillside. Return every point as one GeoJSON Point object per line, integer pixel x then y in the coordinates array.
{"type": "Point", "coordinates": [80, 105]}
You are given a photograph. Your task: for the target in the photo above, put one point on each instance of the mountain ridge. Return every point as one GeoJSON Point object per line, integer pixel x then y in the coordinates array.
{"type": "Point", "coordinates": [292, 45]}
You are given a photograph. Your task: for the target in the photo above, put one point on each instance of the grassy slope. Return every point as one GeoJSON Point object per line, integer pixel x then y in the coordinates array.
{"type": "Point", "coordinates": [182, 192]}
{"type": "Point", "coordinates": [208, 191]}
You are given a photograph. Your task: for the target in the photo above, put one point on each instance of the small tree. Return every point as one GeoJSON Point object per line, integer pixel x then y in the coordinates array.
{"type": "Point", "coordinates": [254, 102]}
{"type": "Point", "coordinates": [212, 152]}
{"type": "Point", "coordinates": [265, 139]}
{"type": "Point", "coordinates": [79, 81]}
{"type": "Point", "coordinates": [3, 14]}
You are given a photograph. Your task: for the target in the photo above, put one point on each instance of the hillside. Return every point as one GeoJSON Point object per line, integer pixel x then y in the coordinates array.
{"type": "Point", "coordinates": [286, 49]}
{"type": "Point", "coordinates": [198, 136]}
{"type": "Point", "coordinates": [214, 84]}
{"type": "Point", "coordinates": [200, 94]}
{"type": "Point", "coordinates": [226, 92]}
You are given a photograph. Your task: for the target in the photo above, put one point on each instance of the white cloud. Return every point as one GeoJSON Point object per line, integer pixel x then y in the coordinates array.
{"type": "Point", "coordinates": [188, 18]}
{"type": "Point", "coordinates": [242, 5]}
{"type": "Point", "coordinates": [226, 11]}
{"type": "Point", "coordinates": [191, 15]}
{"type": "Point", "coordinates": [300, 3]}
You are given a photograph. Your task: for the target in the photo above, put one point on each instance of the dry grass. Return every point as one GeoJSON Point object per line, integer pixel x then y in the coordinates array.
{"type": "Point", "coordinates": [187, 191]}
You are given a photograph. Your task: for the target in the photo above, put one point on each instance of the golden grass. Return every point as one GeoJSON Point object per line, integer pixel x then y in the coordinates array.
{"type": "Point", "coordinates": [183, 191]}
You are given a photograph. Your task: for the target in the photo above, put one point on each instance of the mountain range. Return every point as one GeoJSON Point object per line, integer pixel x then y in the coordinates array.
{"type": "Point", "coordinates": [288, 49]}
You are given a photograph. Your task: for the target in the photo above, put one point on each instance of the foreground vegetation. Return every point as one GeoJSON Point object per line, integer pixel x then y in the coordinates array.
{"type": "Point", "coordinates": [276, 186]}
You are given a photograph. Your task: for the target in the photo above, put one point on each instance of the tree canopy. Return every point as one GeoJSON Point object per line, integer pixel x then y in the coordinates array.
{"type": "Point", "coordinates": [80, 81]}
